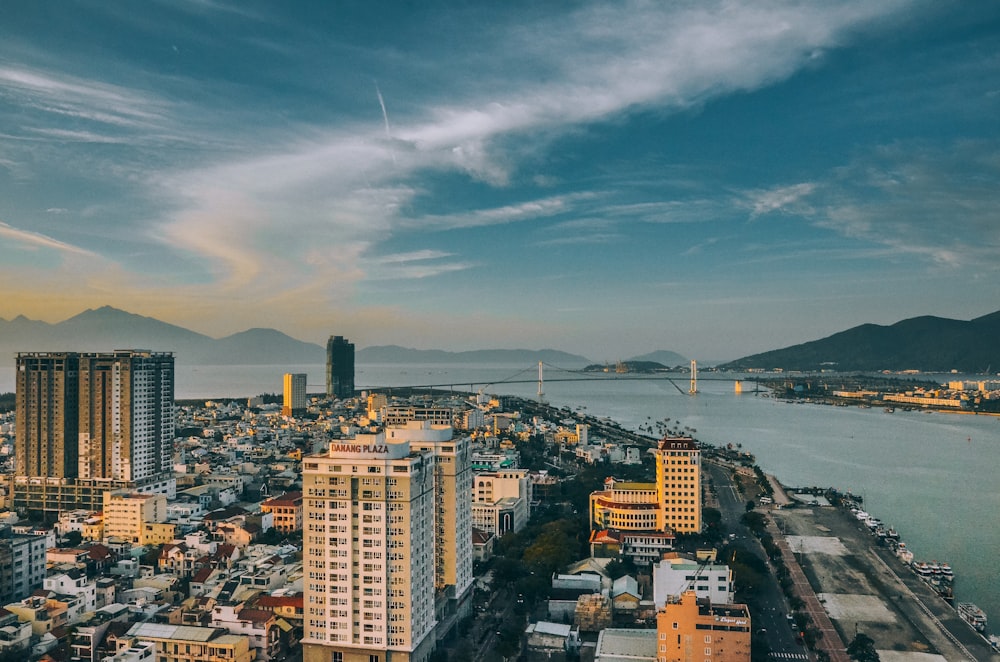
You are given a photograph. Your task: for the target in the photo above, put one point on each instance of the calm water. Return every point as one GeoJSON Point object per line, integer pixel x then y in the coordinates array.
{"type": "Point", "coordinates": [931, 476]}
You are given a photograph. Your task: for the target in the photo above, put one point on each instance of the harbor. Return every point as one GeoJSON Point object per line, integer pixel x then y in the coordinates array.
{"type": "Point", "coordinates": [866, 587]}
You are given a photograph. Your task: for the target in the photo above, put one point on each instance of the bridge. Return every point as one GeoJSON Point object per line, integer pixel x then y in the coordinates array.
{"type": "Point", "coordinates": [572, 375]}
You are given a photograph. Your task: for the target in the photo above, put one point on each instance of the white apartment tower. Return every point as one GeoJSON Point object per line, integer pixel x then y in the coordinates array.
{"type": "Point", "coordinates": [369, 552]}
{"type": "Point", "coordinates": [452, 508]}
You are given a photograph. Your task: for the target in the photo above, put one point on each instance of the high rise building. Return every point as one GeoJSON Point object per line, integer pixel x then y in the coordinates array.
{"type": "Point", "coordinates": [91, 422]}
{"type": "Point", "coordinates": [369, 552]}
{"type": "Point", "coordinates": [339, 368]}
{"type": "Point", "coordinates": [294, 402]}
{"type": "Point", "coordinates": [670, 505]}
{"type": "Point", "coordinates": [678, 483]}
{"type": "Point", "coordinates": [452, 511]}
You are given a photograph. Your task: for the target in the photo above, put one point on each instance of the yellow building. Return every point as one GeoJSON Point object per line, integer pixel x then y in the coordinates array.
{"type": "Point", "coordinates": [157, 533]}
{"type": "Point", "coordinates": [691, 629]}
{"type": "Point", "coordinates": [294, 394]}
{"type": "Point", "coordinates": [188, 643]}
{"type": "Point", "coordinates": [678, 483]}
{"type": "Point", "coordinates": [671, 504]}
{"type": "Point", "coordinates": [125, 514]}
{"type": "Point", "coordinates": [286, 510]}
{"type": "Point", "coordinates": [368, 552]}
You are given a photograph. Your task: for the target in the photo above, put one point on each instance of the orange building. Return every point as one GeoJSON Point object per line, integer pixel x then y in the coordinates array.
{"type": "Point", "coordinates": [287, 511]}
{"type": "Point", "coordinates": [691, 629]}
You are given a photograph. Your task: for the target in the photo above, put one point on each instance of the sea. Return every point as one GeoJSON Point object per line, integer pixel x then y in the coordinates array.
{"type": "Point", "coordinates": [934, 477]}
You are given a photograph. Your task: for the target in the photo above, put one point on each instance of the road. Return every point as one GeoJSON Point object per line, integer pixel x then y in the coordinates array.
{"type": "Point", "coordinates": [769, 613]}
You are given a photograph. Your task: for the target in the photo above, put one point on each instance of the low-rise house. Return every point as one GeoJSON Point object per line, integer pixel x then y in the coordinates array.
{"type": "Point", "coordinates": [75, 582]}
{"type": "Point", "coordinates": [15, 635]}
{"type": "Point", "coordinates": [287, 511]}
{"type": "Point", "coordinates": [87, 636]}
{"type": "Point", "coordinates": [258, 625]}
{"type": "Point", "coordinates": [288, 606]}
{"type": "Point", "coordinates": [184, 643]}
{"type": "Point", "coordinates": [554, 642]}
{"type": "Point", "coordinates": [625, 594]}
{"type": "Point", "coordinates": [482, 545]}
{"type": "Point", "coordinates": [141, 651]}
{"type": "Point", "coordinates": [43, 614]}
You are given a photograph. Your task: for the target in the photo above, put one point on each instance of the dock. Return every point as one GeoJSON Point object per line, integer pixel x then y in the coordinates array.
{"type": "Point", "coordinates": [862, 587]}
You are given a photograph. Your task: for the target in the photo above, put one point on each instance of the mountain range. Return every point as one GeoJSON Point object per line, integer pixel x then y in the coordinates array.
{"type": "Point", "coordinates": [107, 328]}
{"type": "Point", "coordinates": [928, 344]}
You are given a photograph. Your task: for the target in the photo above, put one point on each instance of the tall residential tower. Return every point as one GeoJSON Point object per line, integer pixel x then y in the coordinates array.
{"type": "Point", "coordinates": [368, 552]}
{"type": "Point", "coordinates": [339, 368]}
{"type": "Point", "coordinates": [294, 395]}
{"type": "Point", "coordinates": [92, 422]}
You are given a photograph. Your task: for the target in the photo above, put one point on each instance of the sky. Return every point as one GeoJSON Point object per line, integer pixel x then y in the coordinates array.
{"type": "Point", "coordinates": [605, 178]}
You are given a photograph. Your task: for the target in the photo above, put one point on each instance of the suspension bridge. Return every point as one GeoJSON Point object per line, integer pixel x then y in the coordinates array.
{"type": "Point", "coordinates": [608, 374]}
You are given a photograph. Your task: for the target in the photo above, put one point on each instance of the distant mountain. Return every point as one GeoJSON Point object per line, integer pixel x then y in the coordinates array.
{"type": "Point", "coordinates": [397, 354]}
{"type": "Point", "coordinates": [107, 328]}
{"type": "Point", "coordinates": [667, 358]}
{"type": "Point", "coordinates": [928, 344]}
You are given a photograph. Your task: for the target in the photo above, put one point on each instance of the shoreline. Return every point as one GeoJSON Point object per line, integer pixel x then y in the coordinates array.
{"type": "Point", "coordinates": [862, 586]}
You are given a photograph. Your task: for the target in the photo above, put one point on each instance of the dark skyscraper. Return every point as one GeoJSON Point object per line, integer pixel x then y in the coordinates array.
{"type": "Point", "coordinates": [339, 367]}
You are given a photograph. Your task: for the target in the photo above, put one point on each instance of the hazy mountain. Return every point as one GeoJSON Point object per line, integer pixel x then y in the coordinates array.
{"type": "Point", "coordinates": [928, 344]}
{"type": "Point", "coordinates": [666, 357]}
{"type": "Point", "coordinates": [108, 328]}
{"type": "Point", "coordinates": [397, 354]}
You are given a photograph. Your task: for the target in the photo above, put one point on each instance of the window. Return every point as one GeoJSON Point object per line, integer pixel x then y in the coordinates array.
{"type": "Point", "coordinates": [337, 657]}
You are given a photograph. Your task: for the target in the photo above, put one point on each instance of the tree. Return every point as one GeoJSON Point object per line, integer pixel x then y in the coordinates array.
{"type": "Point", "coordinates": [615, 569]}
{"type": "Point", "coordinates": [863, 648]}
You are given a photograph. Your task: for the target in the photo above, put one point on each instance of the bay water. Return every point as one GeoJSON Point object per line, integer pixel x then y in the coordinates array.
{"type": "Point", "coordinates": [934, 477]}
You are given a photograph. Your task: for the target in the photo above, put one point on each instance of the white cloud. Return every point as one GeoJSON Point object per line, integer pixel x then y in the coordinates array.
{"type": "Point", "coordinates": [35, 240]}
{"type": "Point", "coordinates": [783, 198]}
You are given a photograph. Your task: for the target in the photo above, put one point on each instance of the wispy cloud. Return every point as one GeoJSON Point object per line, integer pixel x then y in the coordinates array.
{"type": "Point", "coordinates": [81, 98]}
{"type": "Point", "coordinates": [935, 202]}
{"type": "Point", "coordinates": [35, 240]}
{"type": "Point", "coordinates": [784, 198]}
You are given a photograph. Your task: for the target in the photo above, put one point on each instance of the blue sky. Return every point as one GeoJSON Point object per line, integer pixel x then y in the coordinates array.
{"type": "Point", "coordinates": [713, 178]}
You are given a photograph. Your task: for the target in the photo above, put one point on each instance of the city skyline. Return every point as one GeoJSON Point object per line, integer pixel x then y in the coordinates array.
{"type": "Point", "coordinates": [715, 179]}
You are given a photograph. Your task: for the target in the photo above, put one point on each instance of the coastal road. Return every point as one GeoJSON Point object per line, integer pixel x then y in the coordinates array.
{"type": "Point", "coordinates": [769, 616]}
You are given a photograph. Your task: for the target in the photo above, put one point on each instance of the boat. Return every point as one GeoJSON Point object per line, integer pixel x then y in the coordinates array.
{"type": "Point", "coordinates": [904, 554]}
{"type": "Point", "coordinates": [973, 615]}
{"type": "Point", "coordinates": [891, 534]}
{"type": "Point", "coordinates": [946, 571]}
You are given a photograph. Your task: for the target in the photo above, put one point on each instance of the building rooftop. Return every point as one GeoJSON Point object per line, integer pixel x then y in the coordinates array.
{"type": "Point", "coordinates": [622, 645]}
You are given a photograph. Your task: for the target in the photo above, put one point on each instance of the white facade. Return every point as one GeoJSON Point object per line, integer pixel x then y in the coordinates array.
{"type": "Point", "coordinates": [672, 577]}
{"type": "Point", "coordinates": [368, 556]}
{"type": "Point", "coordinates": [452, 511]}
{"type": "Point", "coordinates": [501, 501]}
{"type": "Point", "coordinates": [78, 585]}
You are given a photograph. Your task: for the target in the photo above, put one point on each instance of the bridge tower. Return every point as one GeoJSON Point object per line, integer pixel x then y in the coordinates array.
{"type": "Point", "coordinates": [694, 377]}
{"type": "Point", "coordinates": [541, 379]}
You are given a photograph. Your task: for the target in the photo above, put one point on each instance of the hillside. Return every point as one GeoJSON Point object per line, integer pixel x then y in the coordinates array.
{"type": "Point", "coordinates": [107, 328]}
{"type": "Point", "coordinates": [928, 344]}
{"type": "Point", "coordinates": [666, 357]}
